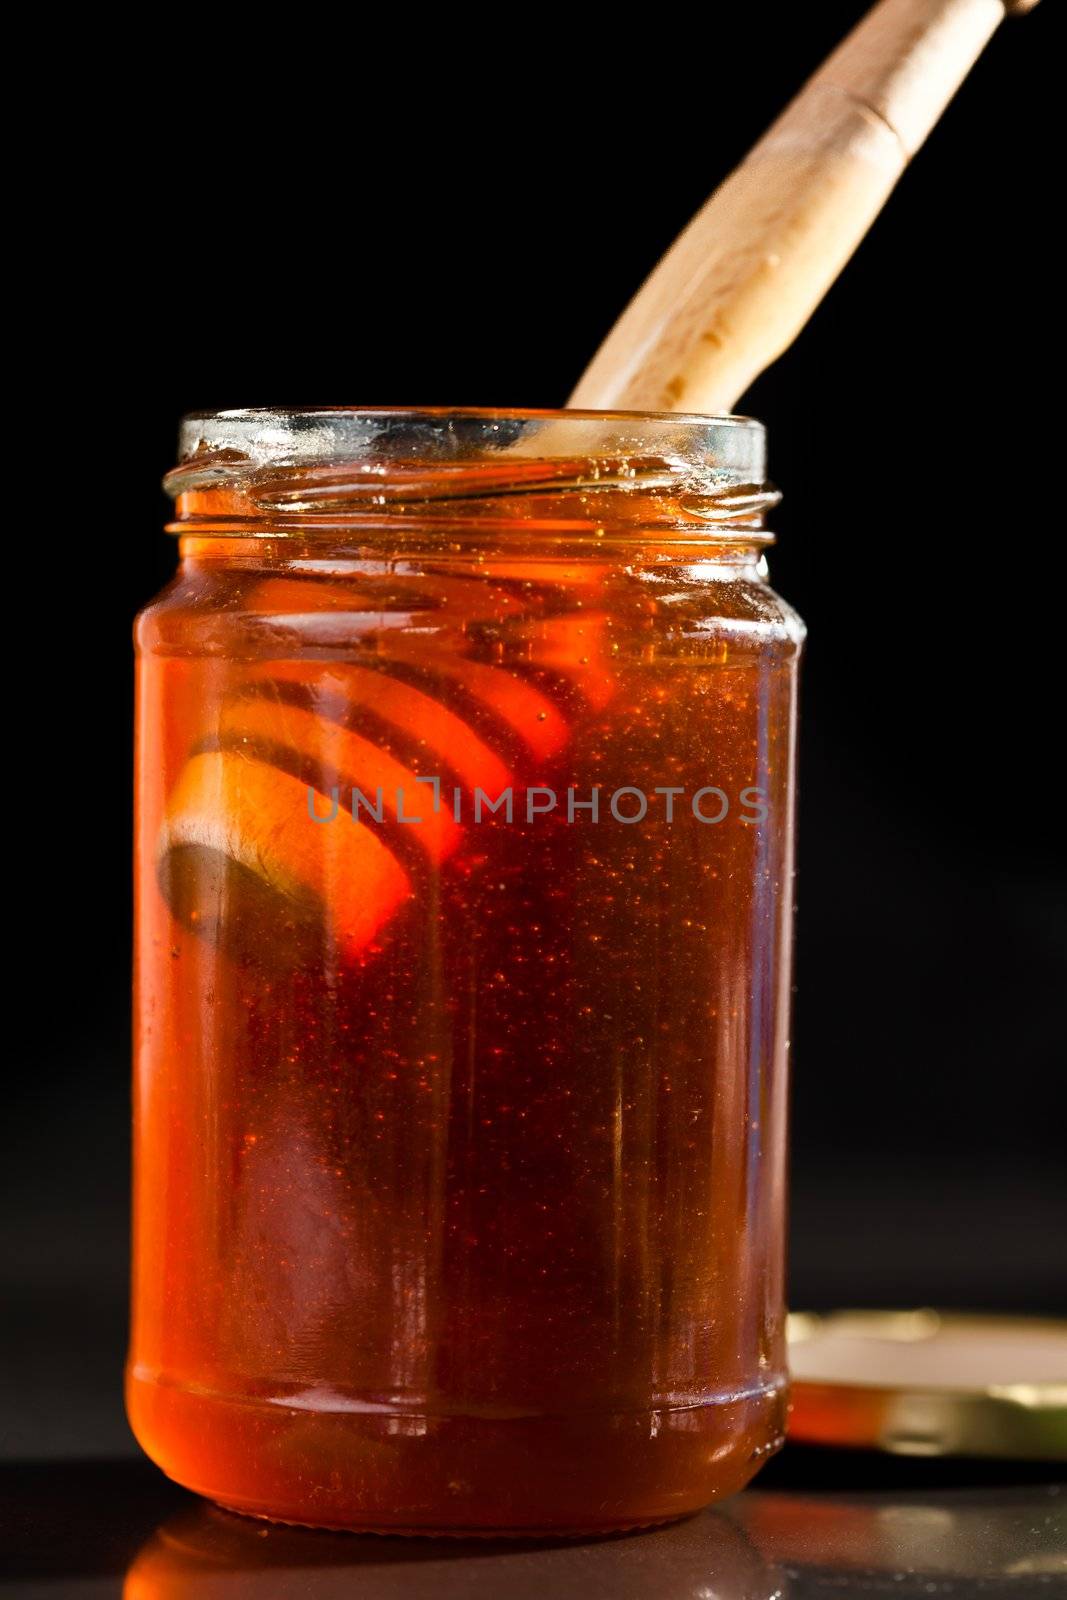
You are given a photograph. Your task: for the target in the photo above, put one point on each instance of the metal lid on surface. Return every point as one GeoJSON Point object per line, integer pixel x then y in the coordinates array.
{"type": "Point", "coordinates": [925, 1383]}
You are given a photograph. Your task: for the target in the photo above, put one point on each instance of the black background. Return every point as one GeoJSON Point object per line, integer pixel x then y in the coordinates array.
{"type": "Point", "coordinates": [454, 213]}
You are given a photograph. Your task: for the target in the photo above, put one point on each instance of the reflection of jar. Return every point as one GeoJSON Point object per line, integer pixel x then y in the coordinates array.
{"type": "Point", "coordinates": [465, 845]}
{"type": "Point", "coordinates": [204, 1554]}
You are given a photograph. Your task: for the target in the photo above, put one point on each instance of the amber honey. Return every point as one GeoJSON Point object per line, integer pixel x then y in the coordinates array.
{"type": "Point", "coordinates": [465, 856]}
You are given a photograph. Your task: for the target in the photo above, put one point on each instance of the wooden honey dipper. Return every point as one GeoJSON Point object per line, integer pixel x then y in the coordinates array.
{"type": "Point", "coordinates": [239, 829]}
{"type": "Point", "coordinates": [741, 281]}
{"type": "Point", "coordinates": [730, 295]}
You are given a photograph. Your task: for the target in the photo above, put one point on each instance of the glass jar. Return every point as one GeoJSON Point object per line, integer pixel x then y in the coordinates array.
{"type": "Point", "coordinates": [465, 849]}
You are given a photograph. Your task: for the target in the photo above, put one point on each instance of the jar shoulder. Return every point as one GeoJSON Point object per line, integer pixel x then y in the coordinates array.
{"type": "Point", "coordinates": [709, 605]}
{"type": "Point", "coordinates": [186, 596]}
{"type": "Point", "coordinates": [215, 609]}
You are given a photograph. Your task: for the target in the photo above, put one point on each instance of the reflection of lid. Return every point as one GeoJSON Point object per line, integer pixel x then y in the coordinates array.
{"type": "Point", "coordinates": [911, 1544]}
{"type": "Point", "coordinates": [920, 1383]}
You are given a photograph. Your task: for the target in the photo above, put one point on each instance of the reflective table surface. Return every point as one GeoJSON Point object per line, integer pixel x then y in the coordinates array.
{"type": "Point", "coordinates": [817, 1523]}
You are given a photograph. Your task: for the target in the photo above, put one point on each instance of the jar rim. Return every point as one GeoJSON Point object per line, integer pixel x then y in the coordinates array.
{"type": "Point", "coordinates": [477, 413]}
{"type": "Point", "coordinates": [347, 457]}
{"type": "Point", "coordinates": [269, 435]}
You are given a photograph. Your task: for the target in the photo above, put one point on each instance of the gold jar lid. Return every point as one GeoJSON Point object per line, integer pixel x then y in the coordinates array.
{"type": "Point", "coordinates": [926, 1383]}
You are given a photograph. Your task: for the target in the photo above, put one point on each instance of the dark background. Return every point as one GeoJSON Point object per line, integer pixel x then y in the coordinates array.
{"type": "Point", "coordinates": [455, 215]}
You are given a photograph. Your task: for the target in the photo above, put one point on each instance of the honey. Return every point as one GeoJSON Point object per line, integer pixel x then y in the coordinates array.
{"type": "Point", "coordinates": [465, 855]}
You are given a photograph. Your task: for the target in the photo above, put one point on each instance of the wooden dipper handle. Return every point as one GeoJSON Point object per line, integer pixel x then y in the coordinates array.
{"type": "Point", "coordinates": [738, 285]}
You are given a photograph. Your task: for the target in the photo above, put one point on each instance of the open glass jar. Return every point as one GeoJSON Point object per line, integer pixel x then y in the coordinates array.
{"type": "Point", "coordinates": [464, 835]}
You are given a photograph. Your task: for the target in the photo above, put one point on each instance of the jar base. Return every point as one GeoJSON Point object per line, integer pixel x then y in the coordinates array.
{"type": "Point", "coordinates": [596, 1530]}
{"type": "Point", "coordinates": [514, 1477]}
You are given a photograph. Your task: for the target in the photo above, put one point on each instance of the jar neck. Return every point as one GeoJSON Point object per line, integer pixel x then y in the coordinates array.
{"type": "Point", "coordinates": [538, 559]}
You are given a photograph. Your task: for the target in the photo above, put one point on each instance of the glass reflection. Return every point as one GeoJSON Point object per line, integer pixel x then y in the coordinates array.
{"type": "Point", "coordinates": [207, 1554]}
{"type": "Point", "coordinates": [959, 1542]}
{"type": "Point", "coordinates": [763, 1545]}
